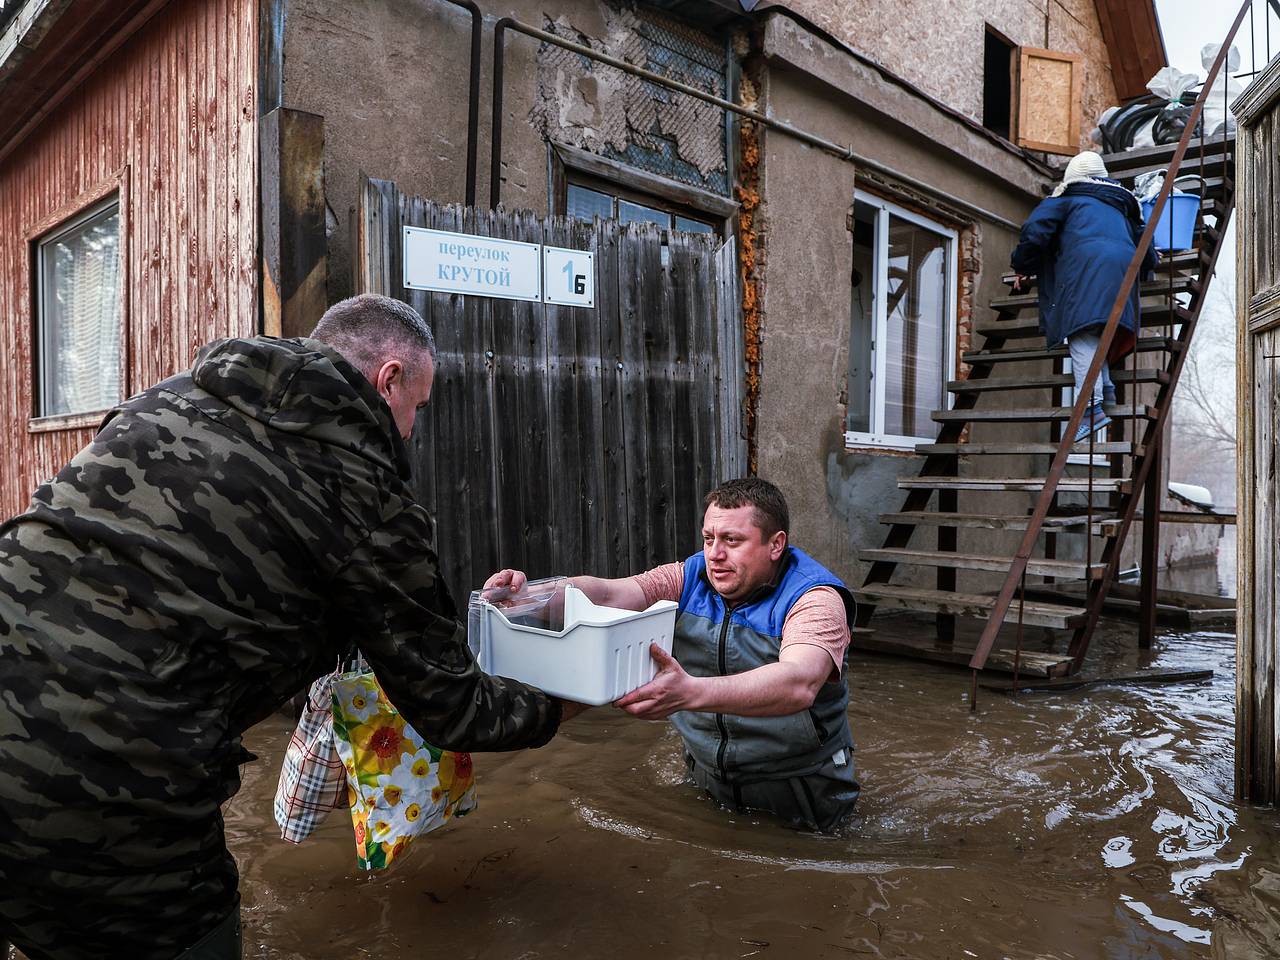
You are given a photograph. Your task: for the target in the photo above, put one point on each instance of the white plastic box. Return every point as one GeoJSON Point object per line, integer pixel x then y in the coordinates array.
{"type": "Point", "coordinates": [562, 643]}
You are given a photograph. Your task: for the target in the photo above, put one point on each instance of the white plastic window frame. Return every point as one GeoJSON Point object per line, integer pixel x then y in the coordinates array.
{"type": "Point", "coordinates": [877, 437]}
{"type": "Point", "coordinates": [43, 372]}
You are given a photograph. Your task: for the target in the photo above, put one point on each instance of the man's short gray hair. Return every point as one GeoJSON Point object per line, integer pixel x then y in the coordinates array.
{"type": "Point", "coordinates": [370, 329]}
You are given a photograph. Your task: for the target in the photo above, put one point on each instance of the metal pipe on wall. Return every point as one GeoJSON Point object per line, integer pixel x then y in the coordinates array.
{"type": "Point", "coordinates": [473, 97]}
{"type": "Point", "coordinates": [813, 140]}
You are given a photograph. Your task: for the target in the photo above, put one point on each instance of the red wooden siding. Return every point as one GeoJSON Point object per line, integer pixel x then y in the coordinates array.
{"type": "Point", "coordinates": [173, 112]}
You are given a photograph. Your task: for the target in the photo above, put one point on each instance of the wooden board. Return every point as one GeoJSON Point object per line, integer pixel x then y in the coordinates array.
{"type": "Point", "coordinates": [1023, 354]}
{"type": "Point", "coordinates": [1049, 84]}
{"type": "Point", "coordinates": [1145, 678]}
{"type": "Point", "coordinates": [1033, 414]}
{"type": "Point", "coordinates": [967, 605]}
{"type": "Point", "coordinates": [1022, 484]}
{"type": "Point", "coordinates": [1029, 663]}
{"type": "Point", "coordinates": [968, 561]}
{"type": "Point", "coordinates": [973, 448]}
{"type": "Point", "coordinates": [562, 439]}
{"type": "Point", "coordinates": [985, 521]}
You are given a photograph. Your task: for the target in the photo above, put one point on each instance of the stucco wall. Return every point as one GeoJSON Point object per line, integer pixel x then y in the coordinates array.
{"type": "Point", "coordinates": [939, 47]}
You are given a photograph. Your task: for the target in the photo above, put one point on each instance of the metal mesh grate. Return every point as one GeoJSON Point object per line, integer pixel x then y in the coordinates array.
{"type": "Point", "coordinates": [591, 105]}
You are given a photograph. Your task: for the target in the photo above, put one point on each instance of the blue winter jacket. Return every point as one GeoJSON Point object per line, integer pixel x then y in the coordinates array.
{"type": "Point", "coordinates": [1079, 245]}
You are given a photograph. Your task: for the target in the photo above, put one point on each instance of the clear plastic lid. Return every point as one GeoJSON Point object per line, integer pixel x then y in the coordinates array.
{"type": "Point", "coordinates": [539, 603]}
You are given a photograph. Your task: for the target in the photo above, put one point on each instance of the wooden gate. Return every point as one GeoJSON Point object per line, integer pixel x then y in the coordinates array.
{"type": "Point", "coordinates": [563, 440]}
{"type": "Point", "coordinates": [1258, 400]}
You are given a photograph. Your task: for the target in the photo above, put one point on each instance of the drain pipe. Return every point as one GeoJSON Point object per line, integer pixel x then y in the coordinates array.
{"type": "Point", "coordinates": [820, 143]}
{"type": "Point", "coordinates": [473, 97]}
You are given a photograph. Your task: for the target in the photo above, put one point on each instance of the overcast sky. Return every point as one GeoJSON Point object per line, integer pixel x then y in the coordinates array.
{"type": "Point", "coordinates": [1189, 24]}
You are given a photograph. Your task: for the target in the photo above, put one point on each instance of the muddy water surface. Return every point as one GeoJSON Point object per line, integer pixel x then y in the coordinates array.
{"type": "Point", "coordinates": [1097, 823]}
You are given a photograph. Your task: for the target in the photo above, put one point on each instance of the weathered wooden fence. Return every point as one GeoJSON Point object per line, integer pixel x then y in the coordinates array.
{"type": "Point", "coordinates": [564, 439]}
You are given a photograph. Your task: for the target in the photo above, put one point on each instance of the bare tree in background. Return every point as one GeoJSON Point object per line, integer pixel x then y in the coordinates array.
{"type": "Point", "coordinates": [1204, 429]}
{"type": "Point", "coordinates": [1206, 416]}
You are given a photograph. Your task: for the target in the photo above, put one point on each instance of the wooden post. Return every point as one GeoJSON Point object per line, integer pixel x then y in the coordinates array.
{"type": "Point", "coordinates": [1151, 500]}
{"type": "Point", "coordinates": [295, 250]}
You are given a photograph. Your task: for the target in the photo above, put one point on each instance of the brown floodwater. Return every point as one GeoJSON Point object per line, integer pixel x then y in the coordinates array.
{"type": "Point", "coordinates": [1095, 823]}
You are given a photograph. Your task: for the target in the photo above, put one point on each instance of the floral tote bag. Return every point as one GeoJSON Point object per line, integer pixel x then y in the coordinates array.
{"type": "Point", "coordinates": [399, 786]}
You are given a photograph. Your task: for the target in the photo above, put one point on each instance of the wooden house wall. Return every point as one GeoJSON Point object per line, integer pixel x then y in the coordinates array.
{"type": "Point", "coordinates": [1258, 438]}
{"type": "Point", "coordinates": [171, 117]}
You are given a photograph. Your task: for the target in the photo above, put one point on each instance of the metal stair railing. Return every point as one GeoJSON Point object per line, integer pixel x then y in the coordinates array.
{"type": "Point", "coordinates": [1147, 453]}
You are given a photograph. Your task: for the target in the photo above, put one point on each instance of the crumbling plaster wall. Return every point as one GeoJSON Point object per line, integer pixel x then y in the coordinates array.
{"type": "Point", "coordinates": [390, 79]}
{"type": "Point", "coordinates": [595, 107]}
{"type": "Point", "coordinates": [939, 47]}
{"type": "Point", "coordinates": [837, 495]}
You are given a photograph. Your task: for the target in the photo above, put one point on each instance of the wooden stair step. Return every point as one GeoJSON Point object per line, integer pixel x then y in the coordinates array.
{"type": "Point", "coordinates": [1028, 325]}
{"type": "Point", "coordinates": [1013, 449]}
{"type": "Point", "coordinates": [1036, 567]}
{"type": "Point", "coordinates": [1036, 414]}
{"type": "Point", "coordinates": [1036, 613]}
{"type": "Point", "coordinates": [1030, 663]}
{"type": "Point", "coordinates": [1128, 164]}
{"type": "Point", "coordinates": [1026, 354]}
{"type": "Point", "coordinates": [1015, 484]}
{"type": "Point", "coordinates": [1150, 288]}
{"type": "Point", "coordinates": [990, 521]}
{"type": "Point", "coordinates": [1044, 381]}
{"type": "Point", "coordinates": [1177, 263]}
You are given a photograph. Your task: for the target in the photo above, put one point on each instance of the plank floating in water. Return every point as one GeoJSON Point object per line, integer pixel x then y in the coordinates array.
{"type": "Point", "coordinates": [1076, 683]}
{"type": "Point", "coordinates": [1031, 663]}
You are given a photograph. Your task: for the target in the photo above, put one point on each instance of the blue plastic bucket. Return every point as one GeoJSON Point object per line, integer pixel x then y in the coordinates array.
{"type": "Point", "coordinates": [1176, 228]}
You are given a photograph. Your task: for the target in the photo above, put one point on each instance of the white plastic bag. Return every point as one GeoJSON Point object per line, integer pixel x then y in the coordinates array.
{"type": "Point", "coordinates": [1217, 102]}
{"type": "Point", "coordinates": [1148, 185]}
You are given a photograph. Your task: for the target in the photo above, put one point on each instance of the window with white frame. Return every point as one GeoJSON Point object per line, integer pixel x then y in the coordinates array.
{"type": "Point", "coordinates": [78, 315]}
{"type": "Point", "coordinates": [902, 330]}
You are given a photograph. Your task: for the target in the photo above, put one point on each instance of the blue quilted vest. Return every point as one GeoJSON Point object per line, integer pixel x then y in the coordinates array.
{"type": "Point", "coordinates": [712, 640]}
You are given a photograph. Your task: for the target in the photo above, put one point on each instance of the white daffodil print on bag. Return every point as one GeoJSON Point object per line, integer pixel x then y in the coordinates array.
{"type": "Point", "coordinates": [399, 786]}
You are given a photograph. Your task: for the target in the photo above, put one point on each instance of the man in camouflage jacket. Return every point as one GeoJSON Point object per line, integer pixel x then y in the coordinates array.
{"type": "Point", "coordinates": [224, 537]}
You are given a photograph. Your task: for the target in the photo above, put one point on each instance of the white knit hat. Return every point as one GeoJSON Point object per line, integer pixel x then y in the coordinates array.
{"type": "Point", "coordinates": [1081, 167]}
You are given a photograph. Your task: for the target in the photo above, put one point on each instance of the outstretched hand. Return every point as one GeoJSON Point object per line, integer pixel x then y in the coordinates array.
{"type": "Point", "coordinates": [670, 691]}
{"type": "Point", "coordinates": [503, 584]}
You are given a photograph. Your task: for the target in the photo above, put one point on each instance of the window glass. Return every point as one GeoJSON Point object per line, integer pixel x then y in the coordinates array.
{"type": "Point", "coordinates": [629, 212]}
{"type": "Point", "coordinates": [693, 226]}
{"type": "Point", "coordinates": [79, 315]}
{"type": "Point", "coordinates": [916, 329]}
{"type": "Point", "coordinates": [901, 325]}
{"type": "Point", "coordinates": [862, 317]}
{"type": "Point", "coordinates": [584, 203]}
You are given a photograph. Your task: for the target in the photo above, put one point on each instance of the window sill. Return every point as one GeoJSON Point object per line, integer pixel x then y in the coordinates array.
{"type": "Point", "coordinates": [1082, 460]}
{"type": "Point", "coordinates": [66, 421]}
{"type": "Point", "coordinates": [871, 443]}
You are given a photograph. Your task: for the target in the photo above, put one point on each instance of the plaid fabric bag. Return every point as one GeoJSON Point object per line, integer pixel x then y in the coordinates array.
{"type": "Point", "coordinates": [313, 780]}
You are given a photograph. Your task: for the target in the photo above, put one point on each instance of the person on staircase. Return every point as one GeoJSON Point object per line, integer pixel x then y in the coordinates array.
{"type": "Point", "coordinates": [1079, 242]}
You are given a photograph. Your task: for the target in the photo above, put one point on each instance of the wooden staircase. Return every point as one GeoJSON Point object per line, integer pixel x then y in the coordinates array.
{"type": "Point", "coordinates": [999, 415]}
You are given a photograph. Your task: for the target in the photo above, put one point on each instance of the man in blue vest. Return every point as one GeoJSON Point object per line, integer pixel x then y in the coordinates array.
{"type": "Point", "coordinates": [757, 684]}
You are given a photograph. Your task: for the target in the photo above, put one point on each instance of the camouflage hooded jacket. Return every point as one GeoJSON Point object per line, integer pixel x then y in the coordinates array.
{"type": "Point", "coordinates": [224, 537]}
